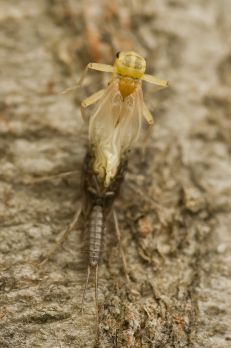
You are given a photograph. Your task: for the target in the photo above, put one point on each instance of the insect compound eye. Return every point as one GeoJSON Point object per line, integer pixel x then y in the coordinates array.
{"type": "Point", "coordinates": [117, 54]}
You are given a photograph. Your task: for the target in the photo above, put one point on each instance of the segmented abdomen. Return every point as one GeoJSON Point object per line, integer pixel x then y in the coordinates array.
{"type": "Point", "coordinates": [95, 232]}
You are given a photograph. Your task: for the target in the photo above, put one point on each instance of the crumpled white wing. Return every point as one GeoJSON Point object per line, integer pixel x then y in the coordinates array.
{"type": "Point", "coordinates": [113, 129]}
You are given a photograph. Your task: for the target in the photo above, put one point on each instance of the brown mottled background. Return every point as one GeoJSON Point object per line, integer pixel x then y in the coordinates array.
{"type": "Point", "coordinates": [174, 210]}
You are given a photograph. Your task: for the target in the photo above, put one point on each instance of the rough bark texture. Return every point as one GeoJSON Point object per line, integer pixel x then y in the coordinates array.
{"type": "Point", "coordinates": [174, 208]}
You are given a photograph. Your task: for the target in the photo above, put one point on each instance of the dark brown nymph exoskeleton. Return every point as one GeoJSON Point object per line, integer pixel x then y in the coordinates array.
{"type": "Point", "coordinates": [96, 207]}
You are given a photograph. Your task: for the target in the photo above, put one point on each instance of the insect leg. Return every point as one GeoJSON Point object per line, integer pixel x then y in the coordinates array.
{"type": "Point", "coordinates": [63, 237]}
{"type": "Point", "coordinates": [89, 101]}
{"type": "Point", "coordinates": [120, 245]}
{"type": "Point", "coordinates": [155, 81]}
{"type": "Point", "coordinates": [93, 66]}
{"type": "Point", "coordinates": [147, 115]}
{"type": "Point", "coordinates": [98, 67]}
{"type": "Point", "coordinates": [51, 177]}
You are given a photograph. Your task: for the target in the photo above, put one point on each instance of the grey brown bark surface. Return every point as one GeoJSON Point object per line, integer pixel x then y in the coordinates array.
{"type": "Point", "coordinates": [174, 210]}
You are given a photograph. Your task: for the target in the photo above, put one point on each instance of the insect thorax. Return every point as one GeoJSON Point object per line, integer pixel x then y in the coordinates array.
{"type": "Point", "coordinates": [127, 85]}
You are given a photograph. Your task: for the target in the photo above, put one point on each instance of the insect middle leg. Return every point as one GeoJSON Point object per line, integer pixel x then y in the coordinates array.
{"type": "Point", "coordinates": [155, 81]}
{"type": "Point", "coordinates": [147, 115]}
{"type": "Point", "coordinates": [89, 101]}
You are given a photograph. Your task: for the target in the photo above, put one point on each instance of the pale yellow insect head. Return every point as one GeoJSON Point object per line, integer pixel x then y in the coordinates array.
{"type": "Point", "coordinates": [130, 64]}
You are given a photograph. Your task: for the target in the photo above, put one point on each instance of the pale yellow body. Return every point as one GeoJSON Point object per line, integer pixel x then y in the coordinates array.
{"type": "Point", "coordinates": [130, 68]}
{"type": "Point", "coordinates": [116, 123]}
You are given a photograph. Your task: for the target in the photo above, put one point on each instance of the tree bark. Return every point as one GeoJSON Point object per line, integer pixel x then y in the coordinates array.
{"type": "Point", "coordinates": [174, 208]}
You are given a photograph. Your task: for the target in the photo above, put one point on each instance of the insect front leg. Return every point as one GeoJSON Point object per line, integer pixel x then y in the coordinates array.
{"type": "Point", "coordinates": [93, 66]}
{"type": "Point", "coordinates": [98, 67]}
{"type": "Point", "coordinates": [90, 101]}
